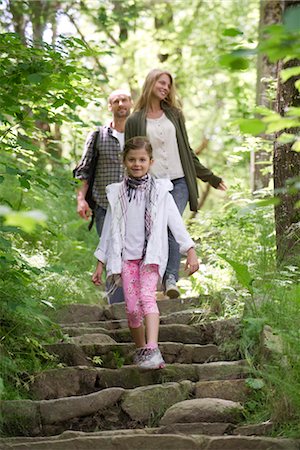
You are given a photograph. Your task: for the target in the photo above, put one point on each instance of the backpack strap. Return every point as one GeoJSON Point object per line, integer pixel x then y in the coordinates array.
{"type": "Point", "coordinates": [89, 195]}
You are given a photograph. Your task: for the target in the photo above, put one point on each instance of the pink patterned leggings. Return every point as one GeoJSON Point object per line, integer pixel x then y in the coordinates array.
{"type": "Point", "coordinates": [139, 286]}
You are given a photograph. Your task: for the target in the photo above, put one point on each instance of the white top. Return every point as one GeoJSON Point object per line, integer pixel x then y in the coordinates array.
{"type": "Point", "coordinates": [135, 228]}
{"type": "Point", "coordinates": [120, 137]}
{"type": "Point", "coordinates": [162, 135]}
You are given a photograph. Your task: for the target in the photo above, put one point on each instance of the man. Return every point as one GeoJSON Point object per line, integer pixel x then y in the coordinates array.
{"type": "Point", "coordinates": [109, 167]}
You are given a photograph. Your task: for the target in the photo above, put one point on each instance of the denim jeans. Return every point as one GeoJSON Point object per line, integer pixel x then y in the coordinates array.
{"type": "Point", "coordinates": [118, 295]}
{"type": "Point", "coordinates": [180, 194]}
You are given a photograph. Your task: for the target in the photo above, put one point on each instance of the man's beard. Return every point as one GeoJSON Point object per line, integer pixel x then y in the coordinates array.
{"type": "Point", "coordinates": [119, 115]}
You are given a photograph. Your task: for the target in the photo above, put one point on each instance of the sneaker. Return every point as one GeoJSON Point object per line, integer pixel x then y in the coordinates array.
{"type": "Point", "coordinates": [172, 290]}
{"type": "Point", "coordinates": [139, 355]}
{"type": "Point", "coordinates": [152, 359]}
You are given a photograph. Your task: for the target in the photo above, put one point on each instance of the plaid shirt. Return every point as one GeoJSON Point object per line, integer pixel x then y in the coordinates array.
{"type": "Point", "coordinates": [109, 167]}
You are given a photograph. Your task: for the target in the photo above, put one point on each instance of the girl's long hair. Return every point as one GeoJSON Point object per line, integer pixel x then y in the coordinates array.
{"type": "Point", "coordinates": [143, 102]}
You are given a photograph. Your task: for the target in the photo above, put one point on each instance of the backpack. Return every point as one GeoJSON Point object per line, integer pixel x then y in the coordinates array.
{"type": "Point", "coordinates": [89, 194]}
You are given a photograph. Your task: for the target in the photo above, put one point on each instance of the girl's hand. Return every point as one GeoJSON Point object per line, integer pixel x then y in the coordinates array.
{"type": "Point", "coordinates": [192, 263]}
{"type": "Point", "coordinates": [97, 275]}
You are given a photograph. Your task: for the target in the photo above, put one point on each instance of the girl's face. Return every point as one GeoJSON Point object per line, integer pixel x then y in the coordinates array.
{"type": "Point", "coordinates": [137, 163]}
{"type": "Point", "coordinates": [162, 87]}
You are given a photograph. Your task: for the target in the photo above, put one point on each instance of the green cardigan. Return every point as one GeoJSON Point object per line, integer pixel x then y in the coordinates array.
{"type": "Point", "coordinates": [192, 168]}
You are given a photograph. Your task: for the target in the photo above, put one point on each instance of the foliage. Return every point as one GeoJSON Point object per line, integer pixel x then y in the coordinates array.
{"type": "Point", "coordinates": [277, 397]}
{"type": "Point", "coordinates": [38, 85]}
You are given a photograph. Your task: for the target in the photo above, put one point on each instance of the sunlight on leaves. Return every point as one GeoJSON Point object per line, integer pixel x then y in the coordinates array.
{"type": "Point", "coordinates": [252, 126]}
{"type": "Point", "coordinates": [27, 220]}
{"type": "Point", "coordinates": [296, 146]}
{"type": "Point", "coordinates": [286, 74]}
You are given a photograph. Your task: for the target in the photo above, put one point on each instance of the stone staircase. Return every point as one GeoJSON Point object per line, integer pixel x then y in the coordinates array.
{"type": "Point", "coordinates": [98, 400]}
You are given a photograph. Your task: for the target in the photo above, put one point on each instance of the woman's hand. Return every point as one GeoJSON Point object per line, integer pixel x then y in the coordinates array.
{"type": "Point", "coordinates": [97, 275]}
{"type": "Point", "coordinates": [192, 263]}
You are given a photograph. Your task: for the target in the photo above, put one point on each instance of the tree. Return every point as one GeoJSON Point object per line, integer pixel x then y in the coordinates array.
{"type": "Point", "coordinates": [287, 162]}
{"type": "Point", "coordinates": [270, 13]}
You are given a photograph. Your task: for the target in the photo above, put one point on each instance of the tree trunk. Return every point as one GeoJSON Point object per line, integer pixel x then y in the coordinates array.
{"type": "Point", "coordinates": [286, 165]}
{"type": "Point", "coordinates": [270, 13]}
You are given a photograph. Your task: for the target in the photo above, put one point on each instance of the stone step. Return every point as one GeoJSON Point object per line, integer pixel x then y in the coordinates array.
{"type": "Point", "coordinates": [185, 317]}
{"type": "Point", "coordinates": [150, 441]}
{"type": "Point", "coordinates": [118, 407]}
{"type": "Point", "coordinates": [119, 354]}
{"type": "Point", "coordinates": [214, 332]}
{"type": "Point", "coordinates": [74, 381]}
{"type": "Point", "coordinates": [77, 313]}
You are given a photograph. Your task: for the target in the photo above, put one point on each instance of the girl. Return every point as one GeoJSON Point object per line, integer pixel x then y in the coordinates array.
{"type": "Point", "coordinates": [134, 245]}
{"type": "Point", "coordinates": [158, 116]}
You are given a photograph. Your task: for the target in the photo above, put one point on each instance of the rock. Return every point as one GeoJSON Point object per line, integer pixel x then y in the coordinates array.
{"type": "Point", "coordinates": [222, 370]}
{"type": "Point", "coordinates": [112, 442]}
{"type": "Point", "coordinates": [60, 410]}
{"type": "Point", "coordinates": [148, 402]}
{"type": "Point", "coordinates": [235, 390]}
{"type": "Point", "coordinates": [251, 443]}
{"type": "Point", "coordinates": [93, 338]}
{"type": "Point", "coordinates": [195, 353]}
{"type": "Point", "coordinates": [64, 382]}
{"type": "Point", "coordinates": [258, 429]}
{"type": "Point", "coordinates": [203, 410]}
{"type": "Point", "coordinates": [69, 354]}
{"type": "Point", "coordinates": [181, 317]}
{"type": "Point", "coordinates": [271, 346]}
{"type": "Point", "coordinates": [20, 417]}
{"type": "Point", "coordinates": [216, 428]}
{"type": "Point", "coordinates": [79, 313]}
{"type": "Point", "coordinates": [80, 331]}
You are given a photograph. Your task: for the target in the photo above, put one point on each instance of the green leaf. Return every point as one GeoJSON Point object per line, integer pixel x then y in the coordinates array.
{"type": "Point", "coordinates": [285, 74]}
{"type": "Point", "coordinates": [286, 138]}
{"type": "Point", "coordinates": [294, 111]}
{"type": "Point", "coordinates": [232, 32]}
{"type": "Point", "coordinates": [24, 182]}
{"type": "Point", "coordinates": [255, 383]}
{"type": "Point", "coordinates": [26, 144]}
{"type": "Point", "coordinates": [35, 78]}
{"type": "Point", "coordinates": [283, 123]}
{"type": "Point", "coordinates": [242, 273]}
{"type": "Point", "coordinates": [11, 170]}
{"type": "Point", "coordinates": [234, 62]}
{"type": "Point", "coordinates": [42, 182]}
{"type": "Point", "coordinates": [1, 179]}
{"type": "Point", "coordinates": [58, 103]}
{"type": "Point", "coordinates": [267, 202]}
{"type": "Point", "coordinates": [27, 221]}
{"type": "Point", "coordinates": [252, 126]}
{"type": "Point", "coordinates": [296, 146]}
{"type": "Point", "coordinates": [80, 42]}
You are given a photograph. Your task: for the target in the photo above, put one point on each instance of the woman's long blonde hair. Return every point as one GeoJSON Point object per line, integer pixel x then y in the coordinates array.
{"type": "Point", "coordinates": [143, 102]}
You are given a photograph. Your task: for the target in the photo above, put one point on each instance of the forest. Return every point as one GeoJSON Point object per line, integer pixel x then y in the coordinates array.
{"type": "Point", "coordinates": [236, 65]}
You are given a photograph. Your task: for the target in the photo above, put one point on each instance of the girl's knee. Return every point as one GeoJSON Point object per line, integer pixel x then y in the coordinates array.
{"type": "Point", "coordinates": [134, 320]}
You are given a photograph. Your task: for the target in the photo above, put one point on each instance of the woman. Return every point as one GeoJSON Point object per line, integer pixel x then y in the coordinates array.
{"type": "Point", "coordinates": [158, 116]}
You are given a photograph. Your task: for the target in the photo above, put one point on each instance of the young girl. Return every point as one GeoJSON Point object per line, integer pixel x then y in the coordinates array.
{"type": "Point", "coordinates": [134, 245]}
